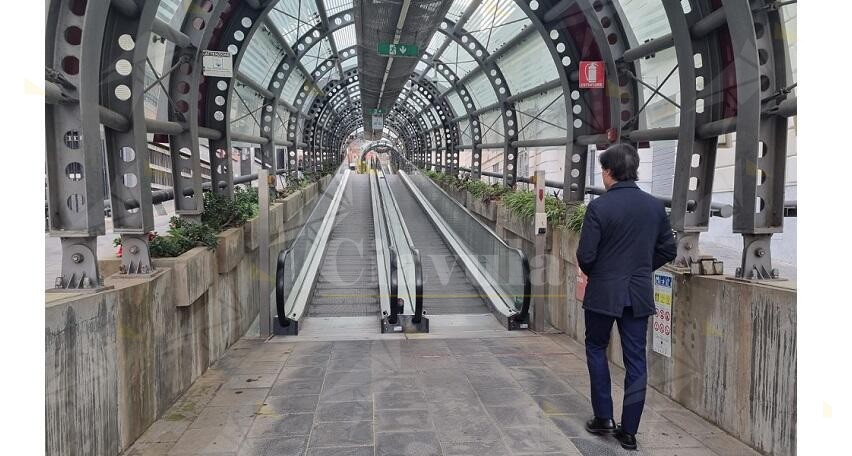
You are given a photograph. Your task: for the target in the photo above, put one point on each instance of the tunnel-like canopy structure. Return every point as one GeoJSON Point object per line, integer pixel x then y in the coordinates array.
{"type": "Point", "coordinates": [490, 77]}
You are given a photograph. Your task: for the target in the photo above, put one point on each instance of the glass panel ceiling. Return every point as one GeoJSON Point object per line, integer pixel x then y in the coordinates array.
{"type": "Point", "coordinates": [167, 9]}
{"type": "Point", "coordinates": [333, 7]}
{"type": "Point", "coordinates": [345, 37]}
{"type": "Point", "coordinates": [458, 59]}
{"type": "Point", "coordinates": [495, 22]}
{"type": "Point", "coordinates": [293, 18]}
{"type": "Point", "coordinates": [647, 19]}
{"type": "Point", "coordinates": [261, 57]}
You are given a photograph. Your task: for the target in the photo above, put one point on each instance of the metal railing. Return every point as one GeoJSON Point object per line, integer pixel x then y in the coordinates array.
{"type": "Point", "coordinates": [400, 253]}
{"type": "Point", "coordinates": [298, 263]}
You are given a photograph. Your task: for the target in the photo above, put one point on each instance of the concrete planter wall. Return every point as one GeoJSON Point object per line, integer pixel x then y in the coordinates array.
{"type": "Point", "coordinates": [485, 209]}
{"type": "Point", "coordinates": [196, 269]}
{"type": "Point", "coordinates": [733, 347]}
{"type": "Point", "coordinates": [230, 250]}
{"type": "Point", "coordinates": [250, 234]}
{"type": "Point", "coordinates": [116, 360]}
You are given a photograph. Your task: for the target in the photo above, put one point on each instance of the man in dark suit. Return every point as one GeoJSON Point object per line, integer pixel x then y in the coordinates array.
{"type": "Point", "coordinates": [626, 236]}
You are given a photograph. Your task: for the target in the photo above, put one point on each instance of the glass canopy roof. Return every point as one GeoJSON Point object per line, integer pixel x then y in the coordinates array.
{"type": "Point", "coordinates": [491, 22]}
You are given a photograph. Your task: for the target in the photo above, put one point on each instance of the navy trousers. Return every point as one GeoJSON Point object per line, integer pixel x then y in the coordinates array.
{"type": "Point", "coordinates": [633, 336]}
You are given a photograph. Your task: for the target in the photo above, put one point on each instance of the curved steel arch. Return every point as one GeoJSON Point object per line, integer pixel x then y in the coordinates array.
{"type": "Point", "coordinates": [75, 198]}
{"type": "Point", "coordinates": [185, 87]}
{"type": "Point", "coordinates": [242, 24]}
{"type": "Point", "coordinates": [464, 94]}
{"type": "Point", "coordinates": [376, 147]}
{"type": "Point", "coordinates": [433, 130]}
{"type": "Point", "coordinates": [127, 156]}
{"type": "Point", "coordinates": [284, 69]}
{"type": "Point", "coordinates": [497, 80]}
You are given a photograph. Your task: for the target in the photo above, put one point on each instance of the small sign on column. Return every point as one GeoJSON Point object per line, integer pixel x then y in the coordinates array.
{"type": "Point", "coordinates": [592, 74]}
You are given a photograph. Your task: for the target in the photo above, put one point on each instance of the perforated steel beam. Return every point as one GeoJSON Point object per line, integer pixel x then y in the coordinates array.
{"type": "Point", "coordinates": [243, 22]}
{"type": "Point", "coordinates": [696, 158]}
{"type": "Point", "coordinates": [762, 73]}
{"type": "Point", "coordinates": [184, 87]}
{"type": "Point", "coordinates": [75, 32]}
{"type": "Point", "coordinates": [124, 54]}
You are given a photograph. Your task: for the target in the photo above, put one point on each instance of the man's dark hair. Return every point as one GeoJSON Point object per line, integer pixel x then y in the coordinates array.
{"type": "Point", "coordinates": [622, 161]}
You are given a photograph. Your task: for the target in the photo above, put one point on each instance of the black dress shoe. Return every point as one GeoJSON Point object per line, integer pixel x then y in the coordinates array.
{"type": "Point", "coordinates": [599, 426]}
{"type": "Point", "coordinates": [628, 441]}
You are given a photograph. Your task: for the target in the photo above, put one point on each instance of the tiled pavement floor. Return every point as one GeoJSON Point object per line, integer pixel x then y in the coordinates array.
{"type": "Point", "coordinates": [491, 396]}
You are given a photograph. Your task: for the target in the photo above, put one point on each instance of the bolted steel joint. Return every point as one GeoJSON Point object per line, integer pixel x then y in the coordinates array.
{"type": "Point", "coordinates": [77, 258]}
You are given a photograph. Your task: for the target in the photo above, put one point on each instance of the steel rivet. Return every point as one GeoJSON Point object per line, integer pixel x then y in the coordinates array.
{"type": "Point", "coordinates": [77, 258]}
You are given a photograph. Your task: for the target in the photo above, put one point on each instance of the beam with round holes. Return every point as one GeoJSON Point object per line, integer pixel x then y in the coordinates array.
{"type": "Point", "coordinates": [74, 33]}
{"type": "Point", "coordinates": [470, 110]}
{"type": "Point", "coordinates": [433, 130]}
{"type": "Point", "coordinates": [597, 25]}
{"type": "Point", "coordinates": [314, 133]}
{"type": "Point", "coordinates": [285, 68]}
{"type": "Point", "coordinates": [410, 120]}
{"type": "Point", "coordinates": [498, 83]}
{"type": "Point", "coordinates": [429, 92]}
{"type": "Point", "coordinates": [199, 25]}
{"type": "Point", "coordinates": [762, 71]}
{"type": "Point", "coordinates": [301, 48]}
{"type": "Point", "coordinates": [241, 25]}
{"type": "Point", "coordinates": [422, 140]}
{"type": "Point", "coordinates": [450, 129]}
{"type": "Point", "coordinates": [695, 159]}
{"type": "Point", "coordinates": [322, 107]}
{"type": "Point", "coordinates": [125, 49]}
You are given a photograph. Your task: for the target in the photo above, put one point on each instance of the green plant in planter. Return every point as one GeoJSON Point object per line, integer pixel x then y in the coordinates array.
{"type": "Point", "coordinates": [221, 212]}
{"type": "Point", "coordinates": [183, 236]}
{"type": "Point", "coordinates": [485, 192]}
{"type": "Point", "coordinates": [522, 204]}
{"type": "Point", "coordinates": [575, 218]}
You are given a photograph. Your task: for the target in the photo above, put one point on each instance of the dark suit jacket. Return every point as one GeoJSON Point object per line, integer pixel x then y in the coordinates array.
{"type": "Point", "coordinates": [626, 236]}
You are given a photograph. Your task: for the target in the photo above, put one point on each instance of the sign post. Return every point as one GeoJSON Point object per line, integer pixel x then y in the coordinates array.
{"type": "Point", "coordinates": [663, 293]}
{"type": "Point", "coordinates": [266, 282]}
{"type": "Point", "coordinates": [592, 74]}
{"type": "Point", "coordinates": [541, 312]}
{"type": "Point", "coordinates": [398, 50]}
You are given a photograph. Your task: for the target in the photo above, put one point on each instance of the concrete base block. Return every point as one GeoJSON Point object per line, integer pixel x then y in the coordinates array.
{"type": "Point", "coordinates": [230, 250]}
{"type": "Point", "coordinates": [250, 234]}
{"type": "Point", "coordinates": [276, 219]}
{"type": "Point", "coordinates": [196, 269]}
{"type": "Point", "coordinates": [485, 209]}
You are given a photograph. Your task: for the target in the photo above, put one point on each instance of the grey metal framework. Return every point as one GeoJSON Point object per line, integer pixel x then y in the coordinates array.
{"type": "Point", "coordinates": [733, 70]}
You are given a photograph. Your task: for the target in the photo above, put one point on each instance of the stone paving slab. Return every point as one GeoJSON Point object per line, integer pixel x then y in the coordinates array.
{"type": "Point", "coordinates": [515, 395]}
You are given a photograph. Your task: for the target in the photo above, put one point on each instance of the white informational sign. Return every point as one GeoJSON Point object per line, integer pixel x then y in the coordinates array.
{"type": "Point", "coordinates": [663, 292]}
{"type": "Point", "coordinates": [378, 123]}
{"type": "Point", "coordinates": [218, 64]}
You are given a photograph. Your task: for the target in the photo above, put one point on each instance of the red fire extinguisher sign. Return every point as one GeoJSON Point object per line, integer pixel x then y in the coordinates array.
{"type": "Point", "coordinates": [592, 74]}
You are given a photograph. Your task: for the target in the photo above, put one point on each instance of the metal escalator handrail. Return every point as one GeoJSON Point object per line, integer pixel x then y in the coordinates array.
{"type": "Point", "coordinates": [394, 287]}
{"type": "Point", "coordinates": [525, 265]}
{"type": "Point", "coordinates": [280, 284]}
{"type": "Point", "coordinates": [415, 253]}
{"type": "Point", "coordinates": [418, 286]}
{"type": "Point", "coordinates": [280, 269]}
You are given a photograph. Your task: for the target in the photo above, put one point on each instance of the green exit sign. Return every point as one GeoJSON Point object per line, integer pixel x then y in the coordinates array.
{"type": "Point", "coordinates": [377, 111]}
{"type": "Point", "coordinates": [398, 50]}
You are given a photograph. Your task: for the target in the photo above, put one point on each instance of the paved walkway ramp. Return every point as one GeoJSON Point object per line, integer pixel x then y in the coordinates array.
{"type": "Point", "coordinates": [487, 396]}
